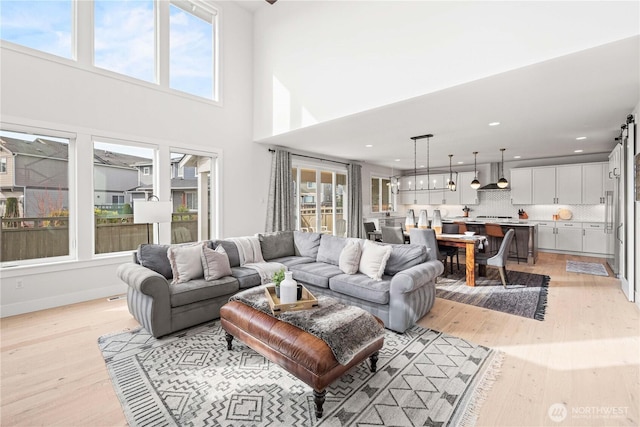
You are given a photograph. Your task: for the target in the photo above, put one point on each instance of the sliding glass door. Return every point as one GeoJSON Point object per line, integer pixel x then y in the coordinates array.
{"type": "Point", "coordinates": [320, 200]}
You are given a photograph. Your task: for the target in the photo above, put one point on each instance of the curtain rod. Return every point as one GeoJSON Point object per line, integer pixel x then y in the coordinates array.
{"type": "Point", "coordinates": [271, 150]}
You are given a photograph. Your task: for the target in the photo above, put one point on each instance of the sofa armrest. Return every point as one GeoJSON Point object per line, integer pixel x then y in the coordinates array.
{"type": "Point", "coordinates": [415, 277]}
{"type": "Point", "coordinates": [145, 281]}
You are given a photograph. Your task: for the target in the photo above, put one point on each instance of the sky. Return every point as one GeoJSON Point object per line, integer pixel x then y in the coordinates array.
{"type": "Point", "coordinates": [124, 38]}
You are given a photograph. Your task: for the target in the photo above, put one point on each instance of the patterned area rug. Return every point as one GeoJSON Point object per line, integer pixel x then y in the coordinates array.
{"type": "Point", "coordinates": [525, 296]}
{"type": "Point", "coordinates": [594, 268]}
{"type": "Point", "coordinates": [424, 377]}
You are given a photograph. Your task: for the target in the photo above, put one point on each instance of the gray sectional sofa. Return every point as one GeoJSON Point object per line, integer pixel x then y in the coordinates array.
{"type": "Point", "coordinates": [404, 293]}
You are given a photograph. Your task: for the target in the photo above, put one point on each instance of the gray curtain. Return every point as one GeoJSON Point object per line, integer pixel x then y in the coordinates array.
{"type": "Point", "coordinates": [354, 178]}
{"type": "Point", "coordinates": [280, 204]}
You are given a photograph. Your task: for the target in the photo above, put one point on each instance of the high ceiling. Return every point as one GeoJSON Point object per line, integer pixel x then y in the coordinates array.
{"type": "Point", "coordinates": [541, 108]}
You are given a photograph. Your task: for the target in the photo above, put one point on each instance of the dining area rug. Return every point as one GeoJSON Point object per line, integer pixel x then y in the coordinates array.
{"type": "Point", "coordinates": [189, 378]}
{"type": "Point", "coordinates": [525, 295]}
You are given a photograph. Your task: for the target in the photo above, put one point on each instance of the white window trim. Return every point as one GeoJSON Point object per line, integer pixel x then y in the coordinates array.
{"type": "Point", "coordinates": [82, 39]}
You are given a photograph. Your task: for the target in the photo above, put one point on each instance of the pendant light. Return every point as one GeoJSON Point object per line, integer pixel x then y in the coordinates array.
{"type": "Point", "coordinates": [475, 184]}
{"type": "Point", "coordinates": [415, 171]}
{"type": "Point", "coordinates": [502, 183]}
{"type": "Point", "coordinates": [451, 185]}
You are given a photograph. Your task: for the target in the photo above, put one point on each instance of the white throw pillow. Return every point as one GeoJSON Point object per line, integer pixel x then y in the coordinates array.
{"type": "Point", "coordinates": [215, 263]}
{"type": "Point", "coordinates": [185, 262]}
{"type": "Point", "coordinates": [374, 259]}
{"type": "Point", "coordinates": [349, 260]}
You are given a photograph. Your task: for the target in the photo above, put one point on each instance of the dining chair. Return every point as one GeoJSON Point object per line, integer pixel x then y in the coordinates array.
{"type": "Point", "coordinates": [370, 227]}
{"type": "Point", "coordinates": [427, 237]}
{"type": "Point", "coordinates": [341, 227]}
{"type": "Point", "coordinates": [392, 235]}
{"type": "Point", "coordinates": [496, 236]}
{"type": "Point", "coordinates": [450, 251]}
{"type": "Point", "coordinates": [498, 260]}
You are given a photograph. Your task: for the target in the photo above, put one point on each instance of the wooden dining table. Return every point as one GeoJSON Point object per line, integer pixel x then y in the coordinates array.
{"type": "Point", "coordinates": [470, 244]}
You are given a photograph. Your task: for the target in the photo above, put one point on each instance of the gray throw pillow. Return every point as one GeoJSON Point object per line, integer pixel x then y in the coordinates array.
{"type": "Point", "coordinates": [306, 244]}
{"type": "Point", "coordinates": [276, 245]}
{"type": "Point", "coordinates": [404, 257]}
{"type": "Point", "coordinates": [215, 263]}
{"type": "Point", "coordinates": [154, 257]}
{"type": "Point", "coordinates": [231, 249]}
{"type": "Point", "coordinates": [330, 249]}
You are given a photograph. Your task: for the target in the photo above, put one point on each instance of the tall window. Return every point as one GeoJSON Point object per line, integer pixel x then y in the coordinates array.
{"type": "Point", "coordinates": [191, 43]}
{"type": "Point", "coordinates": [191, 195]}
{"type": "Point", "coordinates": [116, 187]}
{"type": "Point", "coordinates": [35, 223]}
{"type": "Point", "coordinates": [43, 25]}
{"type": "Point", "coordinates": [321, 196]}
{"type": "Point", "coordinates": [380, 194]}
{"type": "Point", "coordinates": [124, 37]}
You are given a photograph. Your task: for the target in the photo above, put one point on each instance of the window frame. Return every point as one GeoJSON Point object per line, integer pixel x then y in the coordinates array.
{"type": "Point", "coordinates": [381, 186]}
{"type": "Point", "coordinates": [82, 42]}
{"type": "Point", "coordinates": [72, 231]}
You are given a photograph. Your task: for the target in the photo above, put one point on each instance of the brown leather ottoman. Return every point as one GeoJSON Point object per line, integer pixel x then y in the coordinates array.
{"type": "Point", "coordinates": [305, 356]}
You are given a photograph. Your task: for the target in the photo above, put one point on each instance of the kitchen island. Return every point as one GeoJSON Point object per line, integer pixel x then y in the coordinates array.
{"type": "Point", "coordinates": [525, 243]}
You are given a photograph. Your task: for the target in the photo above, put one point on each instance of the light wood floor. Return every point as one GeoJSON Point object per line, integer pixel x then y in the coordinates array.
{"type": "Point", "coordinates": [586, 355]}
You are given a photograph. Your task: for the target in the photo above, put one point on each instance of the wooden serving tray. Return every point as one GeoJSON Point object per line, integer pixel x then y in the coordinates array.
{"type": "Point", "coordinates": [308, 301]}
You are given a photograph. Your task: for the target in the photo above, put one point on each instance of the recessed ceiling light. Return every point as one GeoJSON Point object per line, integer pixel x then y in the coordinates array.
{"type": "Point", "coordinates": [494, 123]}
{"type": "Point", "coordinates": [421, 166]}
{"type": "Point", "coordinates": [517, 157]}
{"type": "Point", "coordinates": [578, 151]}
{"type": "Point", "coordinates": [460, 163]}
{"type": "Point", "coordinates": [580, 138]}
{"type": "Point", "coordinates": [369, 145]}
{"type": "Point", "coordinates": [397, 160]}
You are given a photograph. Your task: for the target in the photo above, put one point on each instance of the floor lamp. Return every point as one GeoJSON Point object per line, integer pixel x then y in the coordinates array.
{"type": "Point", "coordinates": [151, 212]}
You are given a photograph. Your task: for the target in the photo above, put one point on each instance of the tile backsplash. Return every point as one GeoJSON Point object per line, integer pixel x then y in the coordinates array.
{"type": "Point", "coordinates": [498, 203]}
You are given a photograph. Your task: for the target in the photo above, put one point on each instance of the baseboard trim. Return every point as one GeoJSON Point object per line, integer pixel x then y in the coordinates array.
{"type": "Point", "coordinates": [61, 300]}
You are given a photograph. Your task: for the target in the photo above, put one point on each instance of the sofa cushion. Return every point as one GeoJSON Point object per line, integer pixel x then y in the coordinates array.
{"type": "Point", "coordinates": [215, 263]}
{"type": "Point", "coordinates": [293, 260]}
{"type": "Point", "coordinates": [154, 257]}
{"type": "Point", "coordinates": [186, 263]}
{"type": "Point", "coordinates": [315, 273]}
{"type": "Point", "coordinates": [199, 290]}
{"type": "Point", "coordinates": [247, 277]}
{"type": "Point", "coordinates": [231, 249]}
{"type": "Point", "coordinates": [404, 257]}
{"type": "Point", "coordinates": [374, 259]}
{"type": "Point", "coordinates": [362, 287]}
{"type": "Point", "coordinates": [349, 259]}
{"type": "Point", "coordinates": [330, 249]}
{"type": "Point", "coordinates": [276, 245]}
{"type": "Point", "coordinates": [306, 244]}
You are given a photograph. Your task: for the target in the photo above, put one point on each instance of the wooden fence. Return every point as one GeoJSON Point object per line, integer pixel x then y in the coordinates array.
{"type": "Point", "coordinates": [32, 238]}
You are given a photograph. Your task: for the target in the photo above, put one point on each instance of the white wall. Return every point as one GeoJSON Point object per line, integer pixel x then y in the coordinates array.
{"type": "Point", "coordinates": [63, 97]}
{"type": "Point", "coordinates": [316, 61]}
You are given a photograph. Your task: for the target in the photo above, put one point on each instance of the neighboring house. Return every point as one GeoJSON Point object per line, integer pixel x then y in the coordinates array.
{"type": "Point", "coordinates": [36, 173]}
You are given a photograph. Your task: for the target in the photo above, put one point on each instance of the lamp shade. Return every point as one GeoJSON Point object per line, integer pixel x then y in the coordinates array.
{"type": "Point", "coordinates": [423, 222]}
{"type": "Point", "coordinates": [411, 219]}
{"type": "Point", "coordinates": [150, 212]}
{"type": "Point", "coordinates": [436, 222]}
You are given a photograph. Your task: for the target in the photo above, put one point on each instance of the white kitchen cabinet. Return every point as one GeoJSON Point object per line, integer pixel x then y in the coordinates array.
{"type": "Point", "coordinates": [557, 185]}
{"type": "Point", "coordinates": [569, 236]}
{"type": "Point", "coordinates": [569, 185]}
{"type": "Point", "coordinates": [468, 196]}
{"type": "Point", "coordinates": [562, 236]}
{"type": "Point", "coordinates": [615, 161]}
{"type": "Point", "coordinates": [546, 235]}
{"type": "Point", "coordinates": [544, 185]}
{"type": "Point", "coordinates": [594, 238]}
{"type": "Point", "coordinates": [594, 183]}
{"type": "Point", "coordinates": [521, 186]}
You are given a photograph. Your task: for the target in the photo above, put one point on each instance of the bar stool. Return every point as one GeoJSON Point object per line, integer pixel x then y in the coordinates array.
{"type": "Point", "coordinates": [496, 235]}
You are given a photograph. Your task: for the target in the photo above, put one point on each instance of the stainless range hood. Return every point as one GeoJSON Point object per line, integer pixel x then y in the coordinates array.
{"type": "Point", "coordinates": [494, 176]}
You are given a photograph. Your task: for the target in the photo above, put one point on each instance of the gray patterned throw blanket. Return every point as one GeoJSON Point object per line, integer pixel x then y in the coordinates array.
{"type": "Point", "coordinates": [345, 329]}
